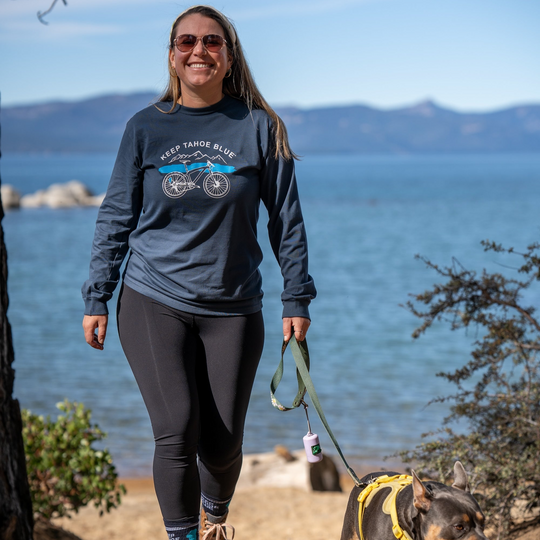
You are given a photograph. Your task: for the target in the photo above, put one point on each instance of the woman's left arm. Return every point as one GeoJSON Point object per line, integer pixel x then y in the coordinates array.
{"type": "Point", "coordinates": [288, 239]}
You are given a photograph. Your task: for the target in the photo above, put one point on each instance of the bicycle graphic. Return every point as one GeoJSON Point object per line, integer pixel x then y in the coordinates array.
{"type": "Point", "coordinates": [215, 184]}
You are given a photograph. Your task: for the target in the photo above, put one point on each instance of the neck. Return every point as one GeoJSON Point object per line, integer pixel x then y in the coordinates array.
{"type": "Point", "coordinates": [197, 101]}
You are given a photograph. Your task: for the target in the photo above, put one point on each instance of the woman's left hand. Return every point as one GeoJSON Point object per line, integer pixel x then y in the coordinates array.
{"type": "Point", "coordinates": [300, 326]}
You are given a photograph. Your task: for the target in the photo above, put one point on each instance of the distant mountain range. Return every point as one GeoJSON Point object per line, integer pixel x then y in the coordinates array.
{"type": "Point", "coordinates": [96, 125]}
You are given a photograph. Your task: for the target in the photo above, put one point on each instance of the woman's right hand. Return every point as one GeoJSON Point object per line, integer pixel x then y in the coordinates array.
{"type": "Point", "coordinates": [90, 324]}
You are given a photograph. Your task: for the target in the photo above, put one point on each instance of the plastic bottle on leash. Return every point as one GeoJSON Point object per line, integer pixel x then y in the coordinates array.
{"type": "Point", "coordinates": [312, 447]}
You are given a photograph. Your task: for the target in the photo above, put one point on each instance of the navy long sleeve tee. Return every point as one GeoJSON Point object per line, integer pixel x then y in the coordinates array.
{"type": "Point", "coordinates": [184, 200]}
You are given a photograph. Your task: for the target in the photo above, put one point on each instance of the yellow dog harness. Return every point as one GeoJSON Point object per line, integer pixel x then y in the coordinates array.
{"type": "Point", "coordinates": [396, 484]}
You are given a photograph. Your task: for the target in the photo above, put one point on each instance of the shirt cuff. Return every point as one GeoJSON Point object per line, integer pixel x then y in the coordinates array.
{"type": "Point", "coordinates": [295, 308]}
{"type": "Point", "coordinates": [95, 307]}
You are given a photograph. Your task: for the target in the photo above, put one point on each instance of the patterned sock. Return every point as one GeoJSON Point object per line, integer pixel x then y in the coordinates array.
{"type": "Point", "coordinates": [215, 508]}
{"type": "Point", "coordinates": [183, 529]}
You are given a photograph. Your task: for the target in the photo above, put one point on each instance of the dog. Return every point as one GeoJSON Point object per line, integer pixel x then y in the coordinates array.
{"type": "Point", "coordinates": [389, 505]}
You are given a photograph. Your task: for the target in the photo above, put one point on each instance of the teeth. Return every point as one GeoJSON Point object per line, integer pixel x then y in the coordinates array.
{"type": "Point", "coordinates": [199, 65]}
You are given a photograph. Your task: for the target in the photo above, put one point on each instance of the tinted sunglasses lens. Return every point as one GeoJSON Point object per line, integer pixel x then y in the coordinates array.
{"type": "Point", "coordinates": [213, 42]}
{"type": "Point", "coordinates": [185, 42]}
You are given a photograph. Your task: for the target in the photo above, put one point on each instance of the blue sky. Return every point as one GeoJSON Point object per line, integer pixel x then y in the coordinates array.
{"type": "Point", "coordinates": [469, 55]}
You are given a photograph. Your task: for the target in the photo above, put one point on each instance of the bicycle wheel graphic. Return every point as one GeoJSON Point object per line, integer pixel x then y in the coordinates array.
{"type": "Point", "coordinates": [175, 184]}
{"type": "Point", "coordinates": [216, 185]}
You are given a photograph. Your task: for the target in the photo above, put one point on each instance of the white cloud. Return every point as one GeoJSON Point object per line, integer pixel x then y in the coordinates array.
{"type": "Point", "coordinates": [62, 30]}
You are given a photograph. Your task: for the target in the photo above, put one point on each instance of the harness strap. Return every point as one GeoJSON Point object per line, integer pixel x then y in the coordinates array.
{"type": "Point", "coordinates": [305, 384]}
{"type": "Point", "coordinates": [396, 484]}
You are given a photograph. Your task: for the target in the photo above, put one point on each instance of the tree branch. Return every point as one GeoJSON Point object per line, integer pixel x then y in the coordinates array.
{"type": "Point", "coordinates": [41, 14]}
{"type": "Point", "coordinates": [522, 311]}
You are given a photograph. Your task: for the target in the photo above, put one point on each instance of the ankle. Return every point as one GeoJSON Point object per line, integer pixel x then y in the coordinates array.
{"type": "Point", "coordinates": [211, 518]}
{"type": "Point", "coordinates": [184, 529]}
{"type": "Point", "coordinates": [218, 510]}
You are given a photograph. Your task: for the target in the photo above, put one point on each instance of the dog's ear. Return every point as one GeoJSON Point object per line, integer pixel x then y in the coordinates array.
{"type": "Point", "coordinates": [422, 497]}
{"type": "Point", "coordinates": [460, 477]}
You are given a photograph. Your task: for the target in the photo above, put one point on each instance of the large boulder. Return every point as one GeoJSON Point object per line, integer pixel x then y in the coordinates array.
{"type": "Point", "coordinates": [11, 198]}
{"type": "Point", "coordinates": [66, 195]}
{"type": "Point", "coordinates": [274, 469]}
{"type": "Point", "coordinates": [282, 468]}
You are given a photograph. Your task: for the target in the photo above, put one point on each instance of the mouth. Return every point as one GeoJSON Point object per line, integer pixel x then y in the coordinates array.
{"type": "Point", "coordinates": [200, 65]}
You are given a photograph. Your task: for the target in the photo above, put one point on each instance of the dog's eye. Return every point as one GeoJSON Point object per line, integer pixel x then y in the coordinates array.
{"type": "Point", "coordinates": [459, 527]}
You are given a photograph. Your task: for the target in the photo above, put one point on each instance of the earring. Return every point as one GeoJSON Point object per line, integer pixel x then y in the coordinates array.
{"type": "Point", "coordinates": [229, 73]}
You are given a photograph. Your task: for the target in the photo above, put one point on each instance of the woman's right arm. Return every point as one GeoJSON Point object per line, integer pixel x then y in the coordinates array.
{"type": "Point", "coordinates": [117, 218]}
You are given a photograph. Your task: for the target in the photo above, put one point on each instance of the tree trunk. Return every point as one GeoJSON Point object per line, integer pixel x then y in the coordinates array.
{"type": "Point", "coordinates": [16, 522]}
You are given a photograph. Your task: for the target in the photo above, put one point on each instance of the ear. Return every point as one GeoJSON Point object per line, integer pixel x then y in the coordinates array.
{"type": "Point", "coordinates": [422, 499]}
{"type": "Point", "coordinates": [460, 477]}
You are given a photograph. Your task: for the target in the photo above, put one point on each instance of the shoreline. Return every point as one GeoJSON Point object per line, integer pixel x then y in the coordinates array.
{"type": "Point", "coordinates": [366, 463]}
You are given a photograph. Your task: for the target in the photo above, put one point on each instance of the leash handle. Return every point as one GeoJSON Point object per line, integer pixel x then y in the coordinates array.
{"type": "Point", "coordinates": [305, 384]}
{"type": "Point", "coordinates": [278, 375]}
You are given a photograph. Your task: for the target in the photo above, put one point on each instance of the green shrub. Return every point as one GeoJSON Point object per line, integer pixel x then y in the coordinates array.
{"type": "Point", "coordinates": [497, 401]}
{"type": "Point", "coordinates": [64, 471]}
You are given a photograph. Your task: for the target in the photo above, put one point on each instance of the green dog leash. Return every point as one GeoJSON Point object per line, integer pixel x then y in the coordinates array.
{"type": "Point", "coordinates": [300, 354]}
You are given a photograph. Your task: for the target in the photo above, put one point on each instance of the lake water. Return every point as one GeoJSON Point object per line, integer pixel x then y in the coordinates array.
{"type": "Point", "coordinates": [366, 218]}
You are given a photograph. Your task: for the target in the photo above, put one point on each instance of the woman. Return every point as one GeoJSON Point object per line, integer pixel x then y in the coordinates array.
{"type": "Point", "coordinates": [184, 199]}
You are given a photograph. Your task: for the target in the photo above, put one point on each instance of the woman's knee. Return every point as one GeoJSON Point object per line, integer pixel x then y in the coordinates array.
{"type": "Point", "coordinates": [176, 447]}
{"type": "Point", "coordinates": [219, 458]}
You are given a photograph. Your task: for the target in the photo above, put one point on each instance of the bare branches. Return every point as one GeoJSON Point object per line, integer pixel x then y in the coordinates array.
{"type": "Point", "coordinates": [42, 14]}
{"type": "Point", "coordinates": [497, 403]}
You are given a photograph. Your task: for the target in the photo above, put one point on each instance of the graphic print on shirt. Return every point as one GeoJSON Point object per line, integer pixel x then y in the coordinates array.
{"type": "Point", "coordinates": [181, 175]}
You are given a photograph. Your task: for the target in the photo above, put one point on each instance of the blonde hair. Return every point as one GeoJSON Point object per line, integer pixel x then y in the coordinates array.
{"type": "Point", "coordinates": [239, 84]}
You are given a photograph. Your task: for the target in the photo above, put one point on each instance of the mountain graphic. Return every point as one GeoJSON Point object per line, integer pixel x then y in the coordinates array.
{"type": "Point", "coordinates": [196, 156]}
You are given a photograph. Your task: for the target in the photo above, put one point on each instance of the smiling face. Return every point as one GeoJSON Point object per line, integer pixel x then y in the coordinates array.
{"type": "Point", "coordinates": [201, 72]}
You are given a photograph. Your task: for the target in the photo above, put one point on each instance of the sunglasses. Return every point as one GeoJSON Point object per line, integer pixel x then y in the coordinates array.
{"type": "Point", "coordinates": [211, 42]}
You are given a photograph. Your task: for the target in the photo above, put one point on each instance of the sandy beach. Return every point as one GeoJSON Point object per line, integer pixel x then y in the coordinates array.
{"type": "Point", "coordinates": [256, 513]}
{"type": "Point", "coordinates": [273, 501]}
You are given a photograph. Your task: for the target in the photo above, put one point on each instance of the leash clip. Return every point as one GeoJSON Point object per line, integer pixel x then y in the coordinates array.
{"type": "Point", "coordinates": [302, 402]}
{"type": "Point", "coordinates": [312, 446]}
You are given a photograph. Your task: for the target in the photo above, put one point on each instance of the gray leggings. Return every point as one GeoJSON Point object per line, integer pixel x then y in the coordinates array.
{"type": "Point", "coordinates": [195, 374]}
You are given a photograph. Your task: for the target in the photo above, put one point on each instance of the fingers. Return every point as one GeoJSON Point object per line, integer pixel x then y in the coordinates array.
{"type": "Point", "coordinates": [90, 324]}
{"type": "Point", "coordinates": [298, 325]}
{"type": "Point", "coordinates": [287, 328]}
{"type": "Point", "coordinates": [102, 331]}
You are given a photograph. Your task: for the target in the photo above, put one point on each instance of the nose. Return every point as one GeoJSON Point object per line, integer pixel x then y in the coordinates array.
{"type": "Point", "coordinates": [199, 48]}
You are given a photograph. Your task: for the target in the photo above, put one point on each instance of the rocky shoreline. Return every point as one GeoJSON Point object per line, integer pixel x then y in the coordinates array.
{"type": "Point", "coordinates": [69, 195]}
